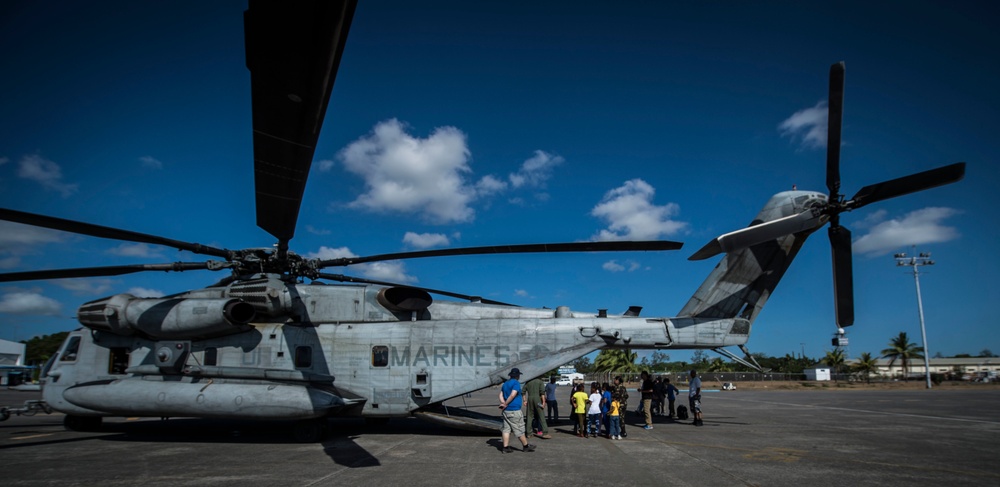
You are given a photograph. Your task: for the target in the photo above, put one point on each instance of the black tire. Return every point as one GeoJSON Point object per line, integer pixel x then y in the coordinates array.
{"type": "Point", "coordinates": [4, 414]}
{"type": "Point", "coordinates": [83, 423]}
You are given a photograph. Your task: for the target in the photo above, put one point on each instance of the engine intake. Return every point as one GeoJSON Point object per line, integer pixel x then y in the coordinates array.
{"type": "Point", "coordinates": [173, 318]}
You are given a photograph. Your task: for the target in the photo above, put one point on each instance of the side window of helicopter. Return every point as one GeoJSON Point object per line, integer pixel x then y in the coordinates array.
{"type": "Point", "coordinates": [380, 356]}
{"type": "Point", "coordinates": [118, 360]}
{"type": "Point", "coordinates": [211, 356]}
{"type": "Point", "coordinates": [72, 348]}
{"type": "Point", "coordinates": [303, 356]}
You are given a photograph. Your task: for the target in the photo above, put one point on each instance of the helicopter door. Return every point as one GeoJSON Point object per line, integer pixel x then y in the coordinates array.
{"type": "Point", "coordinates": [387, 396]}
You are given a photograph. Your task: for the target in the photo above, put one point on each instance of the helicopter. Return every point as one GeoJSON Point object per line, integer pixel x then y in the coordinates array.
{"type": "Point", "coordinates": [262, 343]}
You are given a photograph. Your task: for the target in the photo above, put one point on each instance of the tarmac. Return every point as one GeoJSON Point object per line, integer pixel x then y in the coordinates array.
{"type": "Point", "coordinates": [750, 437]}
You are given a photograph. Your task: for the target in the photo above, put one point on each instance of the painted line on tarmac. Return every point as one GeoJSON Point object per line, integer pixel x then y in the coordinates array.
{"type": "Point", "coordinates": [31, 436]}
{"type": "Point", "coordinates": [888, 413]}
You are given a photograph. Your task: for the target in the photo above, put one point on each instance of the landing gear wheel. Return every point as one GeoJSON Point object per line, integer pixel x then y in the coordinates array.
{"type": "Point", "coordinates": [309, 430]}
{"type": "Point", "coordinates": [83, 423]}
{"type": "Point", "coordinates": [4, 414]}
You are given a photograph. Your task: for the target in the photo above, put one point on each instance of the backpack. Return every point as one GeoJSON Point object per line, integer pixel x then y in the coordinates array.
{"type": "Point", "coordinates": [682, 412]}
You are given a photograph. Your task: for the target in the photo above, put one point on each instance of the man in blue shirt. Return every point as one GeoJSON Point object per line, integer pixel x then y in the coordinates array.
{"type": "Point", "coordinates": [513, 419]}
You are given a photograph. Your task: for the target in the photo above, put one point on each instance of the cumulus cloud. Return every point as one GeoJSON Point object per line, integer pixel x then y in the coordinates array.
{"type": "Point", "coordinates": [521, 293]}
{"type": "Point", "coordinates": [29, 303]}
{"type": "Point", "coordinates": [392, 271]}
{"type": "Point", "coordinates": [425, 240]}
{"type": "Point", "coordinates": [92, 286]}
{"type": "Point", "coordinates": [46, 173]}
{"type": "Point", "coordinates": [151, 162]}
{"type": "Point", "coordinates": [407, 174]}
{"type": "Point", "coordinates": [915, 228]}
{"type": "Point", "coordinates": [18, 235]}
{"type": "Point", "coordinates": [809, 125]}
{"type": "Point", "coordinates": [136, 250]}
{"type": "Point", "coordinates": [325, 165]}
{"type": "Point", "coordinates": [4, 160]}
{"type": "Point", "coordinates": [429, 176]}
{"type": "Point", "coordinates": [142, 292]}
{"type": "Point", "coordinates": [631, 214]}
{"type": "Point", "coordinates": [317, 231]}
{"type": "Point", "coordinates": [535, 171]}
{"type": "Point", "coordinates": [614, 266]}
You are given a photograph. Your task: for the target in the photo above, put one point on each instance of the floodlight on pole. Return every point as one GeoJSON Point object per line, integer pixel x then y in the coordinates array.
{"type": "Point", "coordinates": [922, 259]}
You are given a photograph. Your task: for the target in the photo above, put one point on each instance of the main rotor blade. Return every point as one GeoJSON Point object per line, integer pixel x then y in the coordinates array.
{"type": "Point", "coordinates": [106, 232]}
{"type": "Point", "coordinates": [908, 184]}
{"type": "Point", "coordinates": [835, 119]}
{"type": "Point", "coordinates": [613, 246]}
{"type": "Point", "coordinates": [749, 236]}
{"type": "Point", "coordinates": [115, 270]}
{"type": "Point", "coordinates": [343, 278]}
{"type": "Point", "coordinates": [843, 274]}
{"type": "Point", "coordinates": [293, 50]}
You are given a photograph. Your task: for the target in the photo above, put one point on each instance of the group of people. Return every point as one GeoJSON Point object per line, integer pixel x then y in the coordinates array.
{"type": "Point", "coordinates": [604, 407]}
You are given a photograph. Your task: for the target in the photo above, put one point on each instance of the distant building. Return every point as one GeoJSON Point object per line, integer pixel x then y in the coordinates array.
{"type": "Point", "coordinates": [958, 368]}
{"type": "Point", "coordinates": [12, 368]}
{"type": "Point", "coordinates": [817, 372]}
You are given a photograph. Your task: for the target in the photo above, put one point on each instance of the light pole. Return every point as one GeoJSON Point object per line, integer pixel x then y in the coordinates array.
{"type": "Point", "coordinates": [924, 258]}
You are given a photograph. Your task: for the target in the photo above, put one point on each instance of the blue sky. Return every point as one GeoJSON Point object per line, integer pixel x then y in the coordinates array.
{"type": "Point", "coordinates": [519, 123]}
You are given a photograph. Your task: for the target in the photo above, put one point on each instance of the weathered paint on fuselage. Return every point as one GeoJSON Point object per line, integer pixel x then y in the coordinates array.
{"type": "Point", "coordinates": [319, 350]}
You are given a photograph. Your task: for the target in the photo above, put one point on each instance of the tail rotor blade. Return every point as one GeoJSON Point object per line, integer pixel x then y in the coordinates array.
{"type": "Point", "coordinates": [749, 236]}
{"type": "Point", "coordinates": [908, 184]}
{"type": "Point", "coordinates": [843, 278]}
{"type": "Point", "coordinates": [834, 121]}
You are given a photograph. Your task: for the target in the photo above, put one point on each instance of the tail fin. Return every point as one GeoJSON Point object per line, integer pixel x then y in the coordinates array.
{"type": "Point", "coordinates": [742, 282]}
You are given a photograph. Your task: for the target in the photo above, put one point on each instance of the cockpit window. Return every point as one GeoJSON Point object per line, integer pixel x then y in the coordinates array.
{"type": "Point", "coordinates": [72, 348]}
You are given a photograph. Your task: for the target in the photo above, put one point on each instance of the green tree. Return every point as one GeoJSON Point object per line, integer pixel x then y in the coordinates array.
{"type": "Point", "coordinates": [900, 348]}
{"type": "Point", "coordinates": [582, 365]}
{"type": "Point", "coordinates": [658, 361]}
{"type": "Point", "coordinates": [718, 365]}
{"type": "Point", "coordinates": [616, 360]}
{"type": "Point", "coordinates": [835, 359]}
{"type": "Point", "coordinates": [38, 349]}
{"type": "Point", "coordinates": [699, 358]}
{"type": "Point", "coordinates": [865, 365]}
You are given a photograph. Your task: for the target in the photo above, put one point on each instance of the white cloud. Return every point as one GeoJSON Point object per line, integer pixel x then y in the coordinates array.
{"type": "Point", "coordinates": [325, 165]}
{"type": "Point", "coordinates": [15, 235]}
{"type": "Point", "coordinates": [916, 228]}
{"type": "Point", "coordinates": [151, 162]}
{"type": "Point", "coordinates": [614, 266]}
{"type": "Point", "coordinates": [631, 214]}
{"type": "Point", "coordinates": [4, 160]}
{"type": "Point", "coordinates": [317, 231]}
{"type": "Point", "coordinates": [489, 185]}
{"type": "Point", "coordinates": [425, 240]}
{"type": "Point", "coordinates": [809, 124]}
{"type": "Point", "coordinates": [392, 271]}
{"type": "Point", "coordinates": [521, 293]}
{"type": "Point", "coordinates": [46, 173]}
{"type": "Point", "coordinates": [136, 250]}
{"type": "Point", "coordinates": [407, 174]}
{"type": "Point", "coordinates": [29, 303]}
{"type": "Point", "coordinates": [536, 170]}
{"type": "Point", "coordinates": [90, 286]}
{"type": "Point", "coordinates": [10, 262]}
{"type": "Point", "coordinates": [142, 292]}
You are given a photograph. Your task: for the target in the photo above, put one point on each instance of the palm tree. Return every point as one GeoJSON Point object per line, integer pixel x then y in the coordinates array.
{"type": "Point", "coordinates": [901, 349]}
{"type": "Point", "coordinates": [835, 360]}
{"type": "Point", "coordinates": [718, 365]}
{"type": "Point", "coordinates": [865, 365]}
{"type": "Point", "coordinates": [619, 360]}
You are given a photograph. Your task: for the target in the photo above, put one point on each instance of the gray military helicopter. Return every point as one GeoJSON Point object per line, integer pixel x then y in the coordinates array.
{"type": "Point", "coordinates": [264, 344]}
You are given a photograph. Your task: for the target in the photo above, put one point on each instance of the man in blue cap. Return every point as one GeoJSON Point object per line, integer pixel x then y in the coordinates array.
{"type": "Point", "coordinates": [513, 419]}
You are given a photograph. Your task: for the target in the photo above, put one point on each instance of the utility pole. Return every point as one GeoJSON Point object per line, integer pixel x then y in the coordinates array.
{"type": "Point", "coordinates": [924, 258]}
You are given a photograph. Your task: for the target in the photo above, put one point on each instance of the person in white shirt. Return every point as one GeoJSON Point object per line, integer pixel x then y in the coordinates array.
{"type": "Point", "coordinates": [694, 397]}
